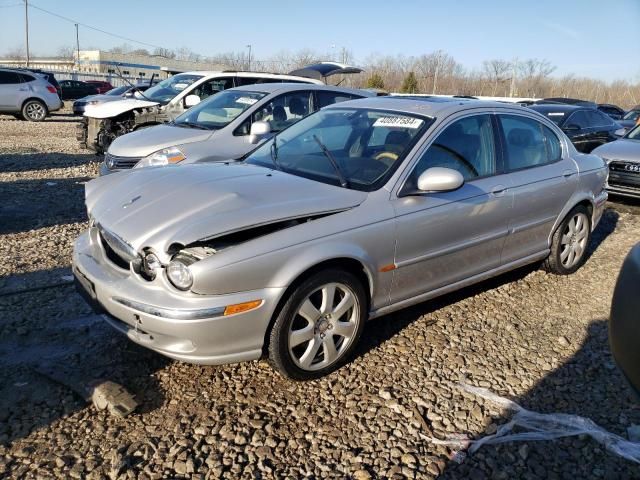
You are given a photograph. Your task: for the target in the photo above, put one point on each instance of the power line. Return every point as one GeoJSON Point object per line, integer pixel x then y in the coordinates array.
{"type": "Point", "coordinates": [94, 28]}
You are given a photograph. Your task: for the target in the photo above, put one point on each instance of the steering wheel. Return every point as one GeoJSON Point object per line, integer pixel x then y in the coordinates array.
{"type": "Point", "coordinates": [390, 155]}
{"type": "Point", "coordinates": [465, 163]}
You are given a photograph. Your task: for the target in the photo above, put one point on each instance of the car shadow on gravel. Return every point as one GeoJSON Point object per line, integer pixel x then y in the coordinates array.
{"type": "Point", "coordinates": [587, 384]}
{"type": "Point", "coordinates": [50, 360]}
{"type": "Point", "coordinates": [29, 162]}
{"type": "Point", "coordinates": [31, 204]}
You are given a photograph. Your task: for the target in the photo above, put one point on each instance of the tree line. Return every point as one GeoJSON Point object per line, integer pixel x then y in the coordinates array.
{"type": "Point", "coordinates": [433, 73]}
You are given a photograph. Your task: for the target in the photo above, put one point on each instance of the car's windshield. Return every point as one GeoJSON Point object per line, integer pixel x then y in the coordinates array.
{"type": "Point", "coordinates": [118, 90]}
{"type": "Point", "coordinates": [164, 91]}
{"type": "Point", "coordinates": [355, 148]}
{"type": "Point", "coordinates": [632, 115]}
{"type": "Point", "coordinates": [220, 109]}
{"type": "Point", "coordinates": [633, 134]}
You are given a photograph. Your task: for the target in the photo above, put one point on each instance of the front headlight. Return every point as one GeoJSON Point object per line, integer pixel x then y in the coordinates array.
{"type": "Point", "coordinates": [166, 156]}
{"type": "Point", "coordinates": [179, 275]}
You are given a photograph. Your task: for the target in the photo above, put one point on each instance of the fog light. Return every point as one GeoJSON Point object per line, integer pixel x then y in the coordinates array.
{"type": "Point", "coordinates": [151, 264]}
{"type": "Point", "coordinates": [179, 275]}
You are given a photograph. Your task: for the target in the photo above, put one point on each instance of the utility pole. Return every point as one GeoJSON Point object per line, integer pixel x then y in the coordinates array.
{"type": "Point", "coordinates": [249, 58]}
{"type": "Point", "coordinates": [435, 76]}
{"type": "Point", "coordinates": [26, 27]}
{"type": "Point", "coordinates": [77, 47]}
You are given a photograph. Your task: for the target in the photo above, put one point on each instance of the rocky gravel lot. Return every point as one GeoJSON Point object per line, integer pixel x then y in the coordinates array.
{"type": "Point", "coordinates": [538, 339]}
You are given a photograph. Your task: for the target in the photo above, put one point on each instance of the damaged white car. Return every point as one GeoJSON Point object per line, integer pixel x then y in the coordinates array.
{"type": "Point", "coordinates": [170, 98]}
{"type": "Point", "coordinates": [162, 103]}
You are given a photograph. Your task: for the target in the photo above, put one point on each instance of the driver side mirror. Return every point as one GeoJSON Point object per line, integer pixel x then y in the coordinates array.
{"type": "Point", "coordinates": [572, 127]}
{"type": "Point", "coordinates": [440, 179]}
{"type": "Point", "coordinates": [259, 131]}
{"type": "Point", "coordinates": [191, 100]}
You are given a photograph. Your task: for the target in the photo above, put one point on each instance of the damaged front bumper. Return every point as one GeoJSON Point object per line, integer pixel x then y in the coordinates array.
{"type": "Point", "coordinates": [181, 325]}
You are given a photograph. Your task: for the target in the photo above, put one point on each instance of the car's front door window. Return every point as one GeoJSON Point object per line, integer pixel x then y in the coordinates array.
{"type": "Point", "coordinates": [466, 145]}
{"type": "Point", "coordinates": [284, 110]}
{"type": "Point", "coordinates": [211, 87]}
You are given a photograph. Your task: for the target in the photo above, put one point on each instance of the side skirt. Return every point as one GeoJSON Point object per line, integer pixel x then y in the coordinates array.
{"type": "Point", "coordinates": [458, 285]}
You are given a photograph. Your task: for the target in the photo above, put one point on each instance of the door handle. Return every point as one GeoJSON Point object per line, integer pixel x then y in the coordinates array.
{"type": "Point", "coordinates": [498, 190]}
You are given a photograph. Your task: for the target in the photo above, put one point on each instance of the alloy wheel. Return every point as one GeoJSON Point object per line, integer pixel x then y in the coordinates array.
{"type": "Point", "coordinates": [324, 326]}
{"type": "Point", "coordinates": [574, 240]}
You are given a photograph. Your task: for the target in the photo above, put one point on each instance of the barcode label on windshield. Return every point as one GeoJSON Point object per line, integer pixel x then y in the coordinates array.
{"type": "Point", "coordinates": [246, 100]}
{"type": "Point", "coordinates": [398, 122]}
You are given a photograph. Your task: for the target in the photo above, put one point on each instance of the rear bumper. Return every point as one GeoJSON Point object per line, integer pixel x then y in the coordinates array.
{"type": "Point", "coordinates": [54, 103]}
{"type": "Point", "coordinates": [179, 325]}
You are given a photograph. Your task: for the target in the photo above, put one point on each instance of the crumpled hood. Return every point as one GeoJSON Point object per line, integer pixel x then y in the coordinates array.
{"type": "Point", "coordinates": [112, 109]}
{"type": "Point", "coordinates": [146, 141]}
{"type": "Point", "coordinates": [623, 149]}
{"type": "Point", "coordinates": [157, 207]}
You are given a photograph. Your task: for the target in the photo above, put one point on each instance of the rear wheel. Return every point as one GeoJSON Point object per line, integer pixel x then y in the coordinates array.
{"type": "Point", "coordinates": [34, 111]}
{"type": "Point", "coordinates": [569, 243]}
{"type": "Point", "coordinates": [318, 326]}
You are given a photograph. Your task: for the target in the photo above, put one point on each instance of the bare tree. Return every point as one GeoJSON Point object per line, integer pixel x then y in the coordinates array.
{"type": "Point", "coordinates": [498, 71]}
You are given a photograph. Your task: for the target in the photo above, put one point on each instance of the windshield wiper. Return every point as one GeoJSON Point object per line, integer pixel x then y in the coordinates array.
{"type": "Point", "coordinates": [191, 125]}
{"type": "Point", "coordinates": [274, 153]}
{"type": "Point", "coordinates": [343, 180]}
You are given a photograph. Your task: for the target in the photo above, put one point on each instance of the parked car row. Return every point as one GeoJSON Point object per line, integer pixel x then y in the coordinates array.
{"type": "Point", "coordinates": [275, 219]}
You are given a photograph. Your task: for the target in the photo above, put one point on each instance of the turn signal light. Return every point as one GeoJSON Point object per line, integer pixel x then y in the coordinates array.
{"type": "Point", "coordinates": [242, 307]}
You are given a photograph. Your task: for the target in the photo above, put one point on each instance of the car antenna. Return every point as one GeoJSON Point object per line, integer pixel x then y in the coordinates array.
{"type": "Point", "coordinates": [131, 84]}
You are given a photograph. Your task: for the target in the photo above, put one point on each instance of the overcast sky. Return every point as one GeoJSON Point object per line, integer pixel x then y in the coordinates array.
{"type": "Point", "coordinates": [595, 38]}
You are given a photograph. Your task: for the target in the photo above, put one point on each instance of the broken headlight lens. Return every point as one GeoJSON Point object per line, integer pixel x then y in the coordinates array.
{"type": "Point", "coordinates": [151, 264]}
{"type": "Point", "coordinates": [166, 156]}
{"type": "Point", "coordinates": [179, 275]}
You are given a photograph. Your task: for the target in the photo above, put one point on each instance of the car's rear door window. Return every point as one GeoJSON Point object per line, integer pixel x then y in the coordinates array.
{"type": "Point", "coordinates": [9, 78]}
{"type": "Point", "coordinates": [324, 98]}
{"type": "Point", "coordinates": [528, 143]}
{"type": "Point", "coordinates": [466, 145]}
{"type": "Point", "coordinates": [579, 119]}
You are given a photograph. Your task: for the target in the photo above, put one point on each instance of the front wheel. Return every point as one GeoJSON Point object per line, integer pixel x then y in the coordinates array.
{"type": "Point", "coordinates": [34, 111]}
{"type": "Point", "coordinates": [569, 243]}
{"type": "Point", "coordinates": [318, 326]}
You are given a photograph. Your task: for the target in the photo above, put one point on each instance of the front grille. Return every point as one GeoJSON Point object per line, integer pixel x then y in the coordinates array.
{"type": "Point", "coordinates": [115, 162]}
{"type": "Point", "coordinates": [112, 255]}
{"type": "Point", "coordinates": [624, 174]}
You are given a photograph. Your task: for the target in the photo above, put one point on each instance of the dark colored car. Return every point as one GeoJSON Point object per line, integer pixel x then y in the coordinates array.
{"type": "Point", "coordinates": [567, 101]}
{"type": "Point", "coordinates": [624, 324]}
{"type": "Point", "coordinates": [72, 89]}
{"type": "Point", "coordinates": [613, 111]}
{"type": "Point", "coordinates": [103, 87]}
{"type": "Point", "coordinates": [587, 128]}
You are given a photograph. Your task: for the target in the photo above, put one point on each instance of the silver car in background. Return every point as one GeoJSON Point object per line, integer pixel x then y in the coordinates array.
{"type": "Point", "coordinates": [358, 210]}
{"type": "Point", "coordinates": [27, 95]}
{"type": "Point", "coordinates": [225, 126]}
{"type": "Point", "coordinates": [623, 159]}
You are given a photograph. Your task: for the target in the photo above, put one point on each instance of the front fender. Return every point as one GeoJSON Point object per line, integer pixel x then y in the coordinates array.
{"type": "Point", "coordinates": [372, 246]}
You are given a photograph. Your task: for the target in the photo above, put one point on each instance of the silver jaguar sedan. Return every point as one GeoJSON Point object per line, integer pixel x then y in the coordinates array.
{"type": "Point", "coordinates": [356, 211]}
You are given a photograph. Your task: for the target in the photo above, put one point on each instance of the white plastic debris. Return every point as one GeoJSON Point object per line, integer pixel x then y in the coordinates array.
{"type": "Point", "coordinates": [541, 426]}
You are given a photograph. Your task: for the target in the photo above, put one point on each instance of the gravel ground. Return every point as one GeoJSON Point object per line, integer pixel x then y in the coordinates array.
{"type": "Point", "coordinates": [538, 339]}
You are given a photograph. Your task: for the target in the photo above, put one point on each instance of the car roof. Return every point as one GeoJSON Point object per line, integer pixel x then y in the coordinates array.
{"type": "Point", "coordinates": [292, 87]}
{"type": "Point", "coordinates": [423, 105]}
{"type": "Point", "coordinates": [557, 107]}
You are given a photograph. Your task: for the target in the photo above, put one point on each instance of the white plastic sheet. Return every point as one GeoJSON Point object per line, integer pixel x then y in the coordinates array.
{"type": "Point", "coordinates": [541, 426]}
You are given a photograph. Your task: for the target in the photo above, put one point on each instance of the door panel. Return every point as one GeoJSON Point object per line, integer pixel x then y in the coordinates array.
{"type": "Point", "coordinates": [446, 237]}
{"type": "Point", "coordinates": [541, 185]}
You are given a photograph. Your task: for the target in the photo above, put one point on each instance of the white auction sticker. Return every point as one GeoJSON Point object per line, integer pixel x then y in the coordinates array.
{"type": "Point", "coordinates": [398, 122]}
{"type": "Point", "coordinates": [246, 100]}
{"type": "Point", "coordinates": [556, 114]}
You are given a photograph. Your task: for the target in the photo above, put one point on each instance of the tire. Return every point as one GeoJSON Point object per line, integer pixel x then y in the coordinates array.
{"type": "Point", "coordinates": [570, 242]}
{"type": "Point", "coordinates": [34, 111]}
{"type": "Point", "coordinates": [316, 332]}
